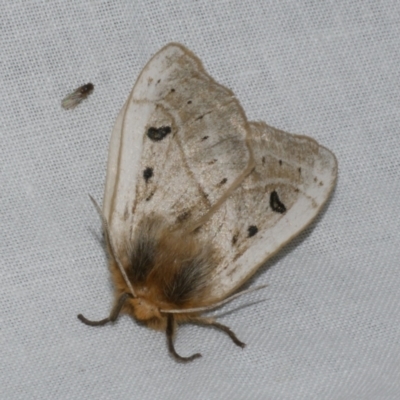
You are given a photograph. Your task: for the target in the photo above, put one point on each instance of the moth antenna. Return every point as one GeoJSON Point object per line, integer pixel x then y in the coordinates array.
{"type": "Point", "coordinates": [111, 245]}
{"type": "Point", "coordinates": [113, 314]}
{"type": "Point", "coordinates": [170, 334]}
{"type": "Point", "coordinates": [212, 306]}
{"type": "Point", "coordinates": [223, 328]}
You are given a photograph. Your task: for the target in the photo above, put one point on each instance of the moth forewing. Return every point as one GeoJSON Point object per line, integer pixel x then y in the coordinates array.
{"type": "Point", "coordinates": [197, 198]}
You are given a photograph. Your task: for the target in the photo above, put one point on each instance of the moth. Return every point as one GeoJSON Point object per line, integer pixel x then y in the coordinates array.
{"type": "Point", "coordinates": [77, 96]}
{"type": "Point", "coordinates": [197, 198]}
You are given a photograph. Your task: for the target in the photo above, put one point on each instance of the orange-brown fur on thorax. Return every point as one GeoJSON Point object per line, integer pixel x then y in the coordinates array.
{"type": "Point", "coordinates": [167, 269]}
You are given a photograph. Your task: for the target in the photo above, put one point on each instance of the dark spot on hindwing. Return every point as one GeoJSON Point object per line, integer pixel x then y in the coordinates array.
{"type": "Point", "coordinates": [172, 90]}
{"type": "Point", "coordinates": [276, 204]}
{"type": "Point", "coordinates": [189, 102]}
{"type": "Point", "coordinates": [147, 174]}
{"type": "Point", "coordinates": [252, 230]}
{"type": "Point", "coordinates": [299, 169]}
{"type": "Point", "coordinates": [204, 138]}
{"type": "Point", "coordinates": [280, 162]}
{"type": "Point", "coordinates": [263, 160]}
{"type": "Point", "coordinates": [157, 134]}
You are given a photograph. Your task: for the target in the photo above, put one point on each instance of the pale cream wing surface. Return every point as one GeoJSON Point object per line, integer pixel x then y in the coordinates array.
{"type": "Point", "coordinates": [180, 143]}
{"type": "Point", "coordinates": [246, 231]}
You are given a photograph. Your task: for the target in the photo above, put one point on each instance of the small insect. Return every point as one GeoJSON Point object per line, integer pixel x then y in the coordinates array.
{"type": "Point", "coordinates": [197, 198]}
{"type": "Point", "coordinates": [77, 96]}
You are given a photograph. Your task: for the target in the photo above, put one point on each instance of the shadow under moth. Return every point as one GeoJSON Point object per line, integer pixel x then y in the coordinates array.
{"type": "Point", "coordinates": [197, 198]}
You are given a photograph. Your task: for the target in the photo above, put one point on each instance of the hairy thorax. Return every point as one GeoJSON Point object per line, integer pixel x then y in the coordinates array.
{"type": "Point", "coordinates": [147, 312]}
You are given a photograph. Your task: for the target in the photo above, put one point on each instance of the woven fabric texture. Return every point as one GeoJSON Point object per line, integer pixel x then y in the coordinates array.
{"type": "Point", "coordinates": [328, 324]}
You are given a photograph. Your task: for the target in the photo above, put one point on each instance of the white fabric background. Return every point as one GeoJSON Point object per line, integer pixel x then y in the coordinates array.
{"type": "Point", "coordinates": [329, 325]}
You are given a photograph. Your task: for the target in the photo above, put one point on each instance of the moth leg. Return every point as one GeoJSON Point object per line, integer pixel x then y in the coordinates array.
{"type": "Point", "coordinates": [113, 315]}
{"type": "Point", "coordinates": [224, 328]}
{"type": "Point", "coordinates": [170, 333]}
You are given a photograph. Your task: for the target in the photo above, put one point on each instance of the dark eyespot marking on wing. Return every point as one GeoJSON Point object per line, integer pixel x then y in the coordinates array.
{"type": "Point", "coordinates": [280, 162]}
{"type": "Point", "coordinates": [299, 170]}
{"type": "Point", "coordinates": [158, 81]}
{"type": "Point", "coordinates": [276, 204]}
{"type": "Point", "coordinates": [321, 183]}
{"type": "Point", "coordinates": [252, 230]}
{"type": "Point", "coordinates": [204, 138]}
{"type": "Point", "coordinates": [263, 160]}
{"type": "Point", "coordinates": [157, 134]}
{"type": "Point", "coordinates": [172, 90]}
{"type": "Point", "coordinates": [147, 174]}
{"type": "Point", "coordinates": [189, 102]}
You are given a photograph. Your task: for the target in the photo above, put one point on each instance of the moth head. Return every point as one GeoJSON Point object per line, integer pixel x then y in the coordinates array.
{"type": "Point", "coordinates": [147, 312]}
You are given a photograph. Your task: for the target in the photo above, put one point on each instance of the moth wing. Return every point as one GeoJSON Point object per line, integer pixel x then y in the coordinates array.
{"type": "Point", "coordinates": [182, 148]}
{"type": "Point", "coordinates": [180, 143]}
{"type": "Point", "coordinates": [249, 228]}
{"type": "Point", "coordinates": [72, 100]}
